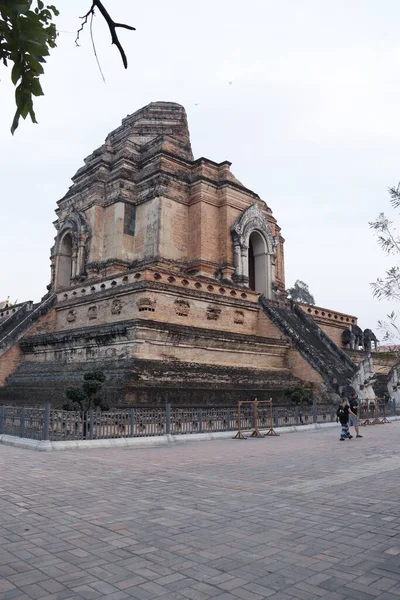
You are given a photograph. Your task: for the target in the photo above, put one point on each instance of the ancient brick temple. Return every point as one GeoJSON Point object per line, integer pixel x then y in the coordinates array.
{"type": "Point", "coordinates": [168, 274]}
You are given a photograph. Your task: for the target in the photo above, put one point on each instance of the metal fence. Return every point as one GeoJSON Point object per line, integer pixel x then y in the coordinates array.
{"type": "Point", "coordinates": [53, 424]}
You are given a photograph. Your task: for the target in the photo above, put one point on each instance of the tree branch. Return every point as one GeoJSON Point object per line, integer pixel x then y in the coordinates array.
{"type": "Point", "coordinates": [112, 26]}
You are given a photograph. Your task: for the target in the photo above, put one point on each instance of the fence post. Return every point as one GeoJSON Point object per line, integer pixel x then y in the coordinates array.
{"type": "Point", "coordinates": [2, 419]}
{"type": "Point", "coordinates": [394, 406]}
{"type": "Point", "coordinates": [46, 421]}
{"type": "Point", "coordinates": [167, 418]}
{"type": "Point", "coordinates": [228, 419]}
{"type": "Point", "coordinates": [91, 423]}
{"type": "Point", "coordinates": [276, 416]}
{"type": "Point", "coordinates": [22, 423]}
{"type": "Point", "coordinates": [314, 413]}
{"type": "Point", "coordinates": [296, 415]}
{"type": "Point", "coordinates": [332, 413]}
{"type": "Point", "coordinates": [132, 420]}
{"type": "Point", "coordinates": [252, 416]}
{"type": "Point", "coordinates": [200, 420]}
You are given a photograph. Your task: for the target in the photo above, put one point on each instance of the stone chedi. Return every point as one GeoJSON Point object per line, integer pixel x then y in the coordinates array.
{"type": "Point", "coordinates": [167, 274]}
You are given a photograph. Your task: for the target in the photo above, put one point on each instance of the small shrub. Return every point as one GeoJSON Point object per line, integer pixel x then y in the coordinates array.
{"type": "Point", "coordinates": [299, 395]}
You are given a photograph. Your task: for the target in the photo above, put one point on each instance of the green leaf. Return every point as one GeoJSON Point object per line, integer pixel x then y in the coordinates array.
{"type": "Point", "coordinates": [36, 88]}
{"type": "Point", "coordinates": [16, 72]}
{"type": "Point", "coordinates": [15, 121]}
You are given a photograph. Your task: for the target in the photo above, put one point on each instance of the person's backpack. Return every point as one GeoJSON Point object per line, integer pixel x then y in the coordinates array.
{"type": "Point", "coordinates": [340, 412]}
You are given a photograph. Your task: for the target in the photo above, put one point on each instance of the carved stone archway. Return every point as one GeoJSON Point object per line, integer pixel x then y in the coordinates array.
{"type": "Point", "coordinates": [69, 254]}
{"type": "Point", "coordinates": [252, 229]}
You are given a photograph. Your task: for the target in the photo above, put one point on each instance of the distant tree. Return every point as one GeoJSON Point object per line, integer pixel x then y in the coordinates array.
{"type": "Point", "coordinates": [300, 293]}
{"type": "Point", "coordinates": [299, 395]}
{"type": "Point", "coordinates": [88, 396]}
{"type": "Point", "coordinates": [27, 35]}
{"type": "Point", "coordinates": [388, 287]}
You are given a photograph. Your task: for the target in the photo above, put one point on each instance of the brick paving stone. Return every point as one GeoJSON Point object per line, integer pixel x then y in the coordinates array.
{"type": "Point", "coordinates": [246, 594]}
{"type": "Point", "coordinates": [384, 583]}
{"type": "Point", "coordinates": [265, 519]}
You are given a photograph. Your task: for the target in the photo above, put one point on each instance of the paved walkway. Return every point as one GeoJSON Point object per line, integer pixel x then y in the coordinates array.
{"type": "Point", "coordinates": [300, 516]}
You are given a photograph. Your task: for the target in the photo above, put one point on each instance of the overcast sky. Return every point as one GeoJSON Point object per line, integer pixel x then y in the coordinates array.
{"type": "Point", "coordinates": [311, 122]}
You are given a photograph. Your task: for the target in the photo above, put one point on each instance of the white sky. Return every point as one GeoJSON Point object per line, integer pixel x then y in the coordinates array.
{"type": "Point", "coordinates": [311, 123]}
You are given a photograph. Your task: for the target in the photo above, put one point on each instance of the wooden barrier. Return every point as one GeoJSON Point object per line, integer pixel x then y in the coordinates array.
{"type": "Point", "coordinates": [256, 432]}
{"type": "Point", "coordinates": [271, 431]}
{"type": "Point", "coordinates": [367, 420]}
{"type": "Point", "coordinates": [377, 420]}
{"type": "Point", "coordinates": [385, 419]}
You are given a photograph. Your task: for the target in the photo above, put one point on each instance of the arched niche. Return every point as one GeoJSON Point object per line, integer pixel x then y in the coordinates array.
{"type": "Point", "coordinates": [258, 268]}
{"type": "Point", "coordinates": [69, 253]}
{"type": "Point", "coordinates": [64, 262]}
{"type": "Point", "coordinates": [254, 249]}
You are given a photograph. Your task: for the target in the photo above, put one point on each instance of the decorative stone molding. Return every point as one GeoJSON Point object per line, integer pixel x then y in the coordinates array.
{"type": "Point", "coordinates": [92, 312]}
{"type": "Point", "coordinates": [364, 379]}
{"type": "Point", "coordinates": [76, 226]}
{"type": "Point", "coordinates": [182, 307]}
{"type": "Point", "coordinates": [146, 304]}
{"type": "Point", "coordinates": [394, 384]}
{"type": "Point", "coordinates": [116, 306]}
{"type": "Point", "coordinates": [213, 312]}
{"type": "Point", "coordinates": [238, 317]}
{"type": "Point", "coordinates": [253, 220]}
{"type": "Point", "coordinates": [71, 315]}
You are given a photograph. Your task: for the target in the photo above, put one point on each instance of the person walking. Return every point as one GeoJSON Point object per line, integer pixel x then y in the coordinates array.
{"type": "Point", "coordinates": [353, 415]}
{"type": "Point", "coordinates": [342, 415]}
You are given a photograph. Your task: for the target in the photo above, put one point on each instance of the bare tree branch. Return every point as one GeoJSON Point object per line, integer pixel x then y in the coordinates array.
{"type": "Point", "coordinates": [94, 48]}
{"type": "Point", "coordinates": [112, 26]}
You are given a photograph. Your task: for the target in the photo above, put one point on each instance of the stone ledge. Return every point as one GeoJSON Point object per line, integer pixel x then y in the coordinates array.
{"type": "Point", "coordinates": [146, 442]}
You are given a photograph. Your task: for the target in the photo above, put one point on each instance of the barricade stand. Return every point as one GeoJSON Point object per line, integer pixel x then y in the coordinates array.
{"type": "Point", "coordinates": [239, 435]}
{"type": "Point", "coordinates": [271, 431]}
{"type": "Point", "coordinates": [256, 432]}
{"type": "Point", "coordinates": [384, 420]}
{"type": "Point", "coordinates": [377, 420]}
{"type": "Point", "coordinates": [367, 421]}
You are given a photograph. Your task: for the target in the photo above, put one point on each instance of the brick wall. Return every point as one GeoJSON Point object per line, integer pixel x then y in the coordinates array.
{"type": "Point", "coordinates": [46, 324]}
{"type": "Point", "coordinates": [9, 362]}
{"type": "Point", "coordinates": [301, 368]}
{"type": "Point", "coordinates": [332, 322]}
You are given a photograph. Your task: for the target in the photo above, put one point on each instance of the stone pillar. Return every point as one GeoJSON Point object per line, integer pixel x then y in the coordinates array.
{"type": "Point", "coordinates": [244, 254]}
{"type": "Point", "coordinates": [236, 259]}
{"type": "Point", "coordinates": [74, 270]}
{"type": "Point", "coordinates": [270, 277]}
{"type": "Point", "coordinates": [80, 261]}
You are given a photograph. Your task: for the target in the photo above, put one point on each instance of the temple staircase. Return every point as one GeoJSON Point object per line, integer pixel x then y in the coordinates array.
{"type": "Point", "coordinates": [336, 368]}
{"type": "Point", "coordinates": [19, 323]}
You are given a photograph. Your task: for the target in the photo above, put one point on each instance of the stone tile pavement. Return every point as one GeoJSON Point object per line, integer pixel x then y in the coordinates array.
{"type": "Point", "coordinates": [300, 516]}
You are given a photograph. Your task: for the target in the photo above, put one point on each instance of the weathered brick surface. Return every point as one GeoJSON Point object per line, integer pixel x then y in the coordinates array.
{"type": "Point", "coordinates": [9, 362]}
{"type": "Point", "coordinates": [277, 518]}
{"type": "Point", "coordinates": [301, 368]}
{"type": "Point", "coordinates": [46, 324]}
{"type": "Point", "coordinates": [148, 233]}
{"type": "Point", "coordinates": [332, 322]}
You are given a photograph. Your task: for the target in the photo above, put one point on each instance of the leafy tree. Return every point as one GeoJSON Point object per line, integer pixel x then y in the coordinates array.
{"type": "Point", "coordinates": [299, 395]}
{"type": "Point", "coordinates": [26, 37]}
{"type": "Point", "coordinates": [300, 293]}
{"type": "Point", "coordinates": [388, 287]}
{"type": "Point", "coordinates": [88, 395]}
{"type": "Point", "coordinates": [27, 34]}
